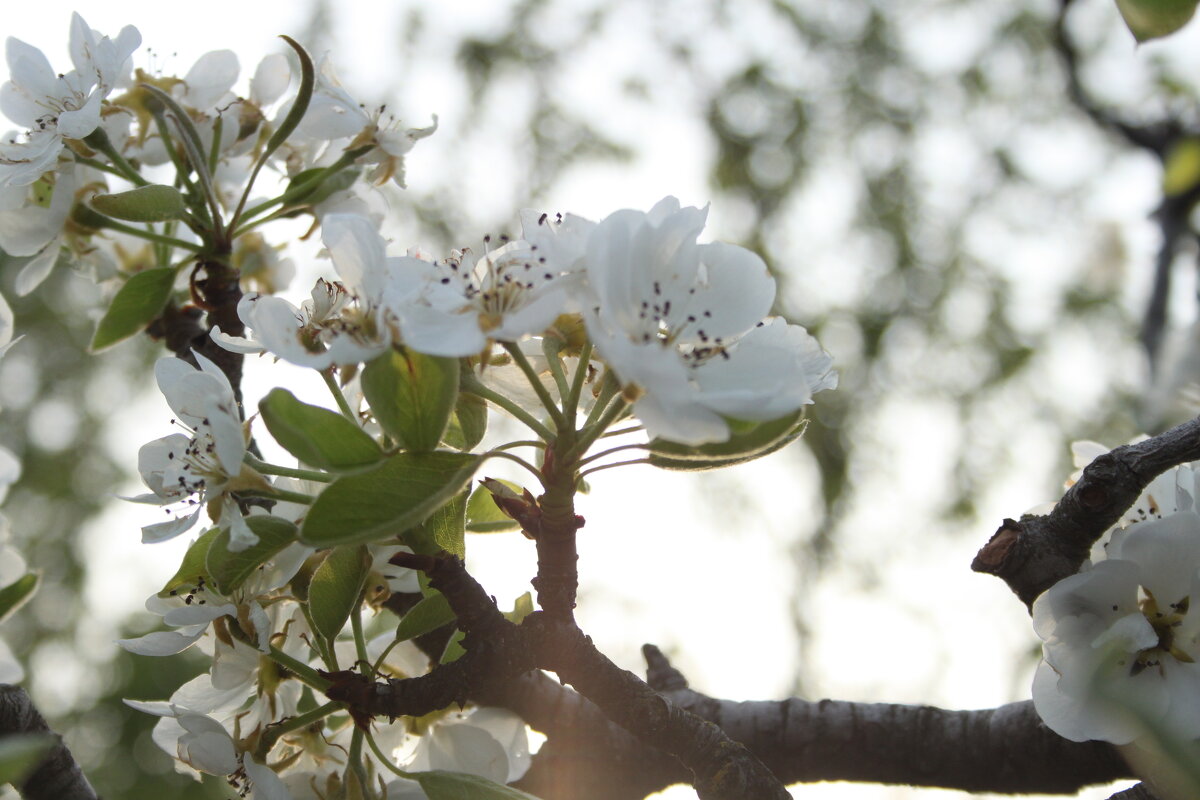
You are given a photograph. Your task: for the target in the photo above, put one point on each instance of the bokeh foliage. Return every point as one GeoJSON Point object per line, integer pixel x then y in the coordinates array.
{"type": "Point", "coordinates": [901, 168]}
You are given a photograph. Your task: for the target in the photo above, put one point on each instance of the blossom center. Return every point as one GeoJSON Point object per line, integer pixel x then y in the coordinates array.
{"type": "Point", "coordinates": [1165, 623]}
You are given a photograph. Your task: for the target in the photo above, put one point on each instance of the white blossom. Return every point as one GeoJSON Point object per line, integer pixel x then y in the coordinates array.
{"type": "Point", "coordinates": [1120, 637]}
{"type": "Point", "coordinates": [683, 326]}
{"type": "Point", "coordinates": [53, 106]}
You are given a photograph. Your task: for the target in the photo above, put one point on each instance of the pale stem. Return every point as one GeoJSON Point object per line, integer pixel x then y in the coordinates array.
{"type": "Point", "coordinates": [571, 404]}
{"type": "Point", "coordinates": [338, 396]}
{"type": "Point", "coordinates": [279, 494]}
{"type": "Point", "coordinates": [551, 346]}
{"type": "Point", "coordinates": [360, 641]}
{"type": "Point", "coordinates": [611, 450]}
{"type": "Point", "coordinates": [355, 762]}
{"type": "Point", "coordinates": [277, 731]}
{"type": "Point", "coordinates": [387, 762]}
{"type": "Point", "coordinates": [587, 472]}
{"type": "Point", "coordinates": [473, 386]}
{"type": "Point", "coordinates": [516, 460]}
{"type": "Point", "coordinates": [543, 395]}
{"type": "Point", "coordinates": [99, 140]}
{"type": "Point", "coordinates": [170, 241]}
{"type": "Point", "coordinates": [286, 472]}
{"type": "Point", "coordinates": [302, 671]}
{"type": "Point", "coordinates": [595, 429]}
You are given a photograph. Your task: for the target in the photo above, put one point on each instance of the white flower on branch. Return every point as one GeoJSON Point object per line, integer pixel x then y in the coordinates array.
{"type": "Point", "coordinates": [683, 325]}
{"type": "Point", "coordinates": [52, 106]}
{"type": "Point", "coordinates": [197, 470]}
{"type": "Point", "coordinates": [1120, 640]}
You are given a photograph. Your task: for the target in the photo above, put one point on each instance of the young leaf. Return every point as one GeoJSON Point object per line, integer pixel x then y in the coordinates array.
{"type": "Point", "coordinates": [20, 754]}
{"type": "Point", "coordinates": [387, 500]}
{"type": "Point", "coordinates": [335, 588]}
{"type": "Point", "coordinates": [522, 608]}
{"type": "Point", "coordinates": [412, 395]}
{"type": "Point", "coordinates": [154, 203]}
{"type": "Point", "coordinates": [468, 424]}
{"type": "Point", "coordinates": [484, 516]}
{"type": "Point", "coordinates": [439, 785]}
{"type": "Point", "coordinates": [230, 569]}
{"type": "Point", "coordinates": [16, 593]}
{"type": "Point", "coordinates": [135, 306]}
{"type": "Point", "coordinates": [428, 615]}
{"type": "Point", "coordinates": [194, 569]}
{"type": "Point", "coordinates": [454, 649]}
{"type": "Point", "coordinates": [756, 442]}
{"type": "Point", "coordinates": [1152, 19]}
{"type": "Point", "coordinates": [317, 436]}
{"type": "Point", "coordinates": [443, 530]}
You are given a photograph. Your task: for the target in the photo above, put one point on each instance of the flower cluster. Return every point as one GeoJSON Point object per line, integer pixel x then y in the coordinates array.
{"type": "Point", "coordinates": [574, 328]}
{"type": "Point", "coordinates": [1120, 647]}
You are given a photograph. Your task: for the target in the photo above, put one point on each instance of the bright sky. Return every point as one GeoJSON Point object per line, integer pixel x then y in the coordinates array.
{"type": "Point", "coordinates": [724, 595]}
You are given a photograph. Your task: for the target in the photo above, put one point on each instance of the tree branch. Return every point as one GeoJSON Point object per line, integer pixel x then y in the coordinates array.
{"type": "Point", "coordinates": [58, 777]}
{"type": "Point", "coordinates": [1038, 551]}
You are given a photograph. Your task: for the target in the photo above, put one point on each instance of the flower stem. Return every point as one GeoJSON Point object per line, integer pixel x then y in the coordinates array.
{"type": "Point", "coordinates": [551, 346]}
{"type": "Point", "coordinates": [302, 671]}
{"type": "Point", "coordinates": [587, 472]}
{"type": "Point", "coordinates": [595, 428]}
{"type": "Point", "coordinates": [338, 396]}
{"type": "Point", "coordinates": [277, 731]}
{"type": "Point", "coordinates": [383, 759]}
{"type": "Point", "coordinates": [360, 642]}
{"type": "Point", "coordinates": [536, 382]}
{"type": "Point", "coordinates": [280, 494]}
{"type": "Point", "coordinates": [287, 472]}
{"type": "Point", "coordinates": [497, 453]}
{"type": "Point", "coordinates": [99, 140]}
{"type": "Point", "coordinates": [170, 241]}
{"type": "Point", "coordinates": [610, 451]}
{"type": "Point", "coordinates": [354, 762]}
{"type": "Point", "coordinates": [472, 385]}
{"type": "Point", "coordinates": [571, 404]}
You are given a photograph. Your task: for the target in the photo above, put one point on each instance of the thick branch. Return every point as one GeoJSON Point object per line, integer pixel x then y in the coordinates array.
{"type": "Point", "coordinates": [498, 651]}
{"type": "Point", "coordinates": [58, 777]}
{"type": "Point", "coordinates": [1037, 552]}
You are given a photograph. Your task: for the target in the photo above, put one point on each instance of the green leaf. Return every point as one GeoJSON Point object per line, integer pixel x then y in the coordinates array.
{"type": "Point", "coordinates": [454, 649]}
{"type": "Point", "coordinates": [1153, 19]}
{"type": "Point", "coordinates": [441, 785]}
{"type": "Point", "coordinates": [335, 588]}
{"type": "Point", "coordinates": [522, 608]}
{"type": "Point", "coordinates": [760, 440]}
{"type": "Point", "coordinates": [21, 753]}
{"type": "Point", "coordinates": [193, 570]}
{"type": "Point", "coordinates": [299, 105]}
{"type": "Point", "coordinates": [154, 203]}
{"type": "Point", "coordinates": [428, 615]}
{"type": "Point", "coordinates": [468, 424]}
{"type": "Point", "coordinates": [387, 500]}
{"type": "Point", "coordinates": [317, 436]}
{"type": "Point", "coordinates": [484, 516]}
{"type": "Point", "coordinates": [412, 395]}
{"type": "Point", "coordinates": [443, 530]}
{"type": "Point", "coordinates": [135, 306]}
{"type": "Point", "coordinates": [230, 569]}
{"type": "Point", "coordinates": [17, 593]}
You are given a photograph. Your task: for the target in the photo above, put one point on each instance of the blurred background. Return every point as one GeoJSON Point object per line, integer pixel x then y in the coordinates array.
{"type": "Point", "coordinates": [973, 230]}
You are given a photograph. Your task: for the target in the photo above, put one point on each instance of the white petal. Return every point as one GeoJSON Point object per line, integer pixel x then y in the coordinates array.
{"type": "Point", "coordinates": [271, 79]}
{"type": "Point", "coordinates": [210, 78]}
{"type": "Point", "coordinates": [36, 271]}
{"type": "Point", "coordinates": [162, 531]}
{"type": "Point", "coordinates": [196, 614]}
{"type": "Point", "coordinates": [267, 785]}
{"type": "Point", "coordinates": [207, 746]}
{"type": "Point", "coordinates": [357, 250]}
{"type": "Point", "coordinates": [462, 747]}
{"type": "Point", "coordinates": [162, 643]}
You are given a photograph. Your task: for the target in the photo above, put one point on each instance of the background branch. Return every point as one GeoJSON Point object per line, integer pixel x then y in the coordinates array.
{"type": "Point", "coordinates": [58, 777]}
{"type": "Point", "coordinates": [1038, 551]}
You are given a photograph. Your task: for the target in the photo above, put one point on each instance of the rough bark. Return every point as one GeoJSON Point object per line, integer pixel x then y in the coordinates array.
{"type": "Point", "coordinates": [58, 777]}
{"type": "Point", "coordinates": [1033, 554]}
